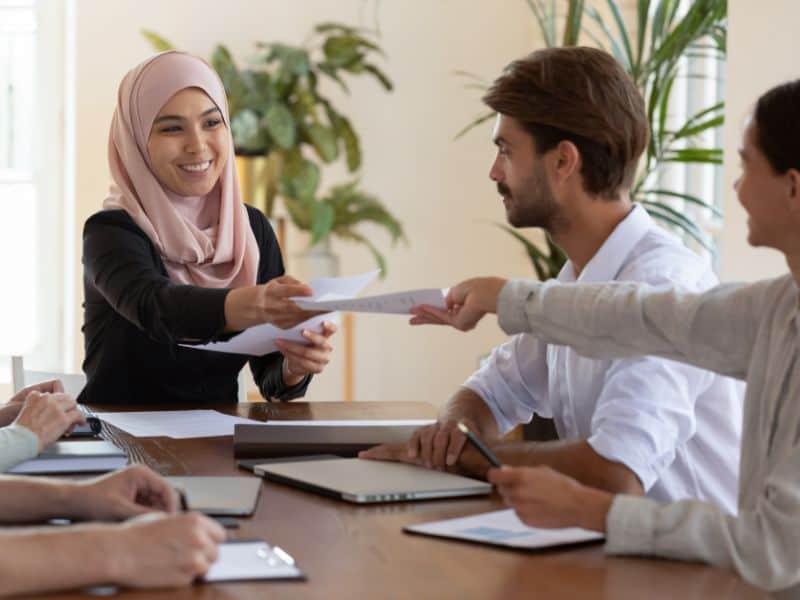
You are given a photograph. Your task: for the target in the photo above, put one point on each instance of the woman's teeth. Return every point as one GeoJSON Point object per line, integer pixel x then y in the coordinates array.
{"type": "Point", "coordinates": [196, 167]}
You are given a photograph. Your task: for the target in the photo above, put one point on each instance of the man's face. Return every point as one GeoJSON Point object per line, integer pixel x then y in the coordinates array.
{"type": "Point", "coordinates": [521, 178]}
{"type": "Point", "coordinates": [765, 196]}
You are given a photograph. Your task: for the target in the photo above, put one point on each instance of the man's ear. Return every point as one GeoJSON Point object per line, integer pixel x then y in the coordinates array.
{"type": "Point", "coordinates": [567, 160]}
{"type": "Point", "coordinates": [793, 182]}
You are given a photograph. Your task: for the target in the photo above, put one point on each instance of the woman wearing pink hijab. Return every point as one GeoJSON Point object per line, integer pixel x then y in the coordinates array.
{"type": "Point", "coordinates": [176, 257]}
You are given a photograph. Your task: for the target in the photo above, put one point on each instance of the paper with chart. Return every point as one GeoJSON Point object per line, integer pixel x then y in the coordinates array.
{"type": "Point", "coordinates": [178, 424]}
{"type": "Point", "coordinates": [260, 340]}
{"type": "Point", "coordinates": [503, 528]}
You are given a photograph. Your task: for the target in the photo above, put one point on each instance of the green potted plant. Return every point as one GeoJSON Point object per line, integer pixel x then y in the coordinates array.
{"type": "Point", "coordinates": [284, 128]}
{"type": "Point", "coordinates": [651, 55]}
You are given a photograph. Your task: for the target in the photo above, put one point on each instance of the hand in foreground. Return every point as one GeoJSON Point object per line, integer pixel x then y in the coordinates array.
{"type": "Point", "coordinates": [49, 416]}
{"type": "Point", "coordinates": [164, 551]}
{"type": "Point", "coordinates": [54, 386]}
{"type": "Point", "coordinates": [467, 303]}
{"type": "Point", "coordinates": [543, 497]}
{"type": "Point", "coordinates": [301, 360]}
{"type": "Point", "coordinates": [130, 492]}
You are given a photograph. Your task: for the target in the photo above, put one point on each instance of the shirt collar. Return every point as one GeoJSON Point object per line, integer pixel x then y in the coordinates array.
{"type": "Point", "coordinates": [607, 262]}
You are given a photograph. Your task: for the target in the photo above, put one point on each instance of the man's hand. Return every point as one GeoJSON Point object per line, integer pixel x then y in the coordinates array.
{"type": "Point", "coordinates": [542, 497]}
{"type": "Point", "coordinates": [390, 452]}
{"type": "Point", "coordinates": [133, 491]}
{"type": "Point", "coordinates": [301, 359]}
{"type": "Point", "coordinates": [467, 303]}
{"type": "Point", "coordinates": [49, 416]}
{"type": "Point", "coordinates": [439, 445]}
{"type": "Point", "coordinates": [164, 551]}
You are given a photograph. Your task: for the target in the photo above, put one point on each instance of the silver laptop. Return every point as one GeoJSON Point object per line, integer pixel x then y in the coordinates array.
{"type": "Point", "coordinates": [369, 481]}
{"type": "Point", "coordinates": [223, 496]}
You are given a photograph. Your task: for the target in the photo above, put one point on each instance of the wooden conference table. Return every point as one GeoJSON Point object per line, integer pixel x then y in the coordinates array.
{"type": "Point", "coordinates": [352, 551]}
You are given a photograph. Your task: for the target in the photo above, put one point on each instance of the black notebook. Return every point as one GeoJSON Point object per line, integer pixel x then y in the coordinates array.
{"type": "Point", "coordinates": [91, 456]}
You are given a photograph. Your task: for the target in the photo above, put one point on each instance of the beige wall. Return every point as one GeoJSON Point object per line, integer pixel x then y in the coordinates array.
{"type": "Point", "coordinates": [762, 48]}
{"type": "Point", "coordinates": [439, 188]}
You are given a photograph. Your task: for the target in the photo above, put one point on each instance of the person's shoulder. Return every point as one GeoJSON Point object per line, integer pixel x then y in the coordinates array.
{"type": "Point", "coordinates": [259, 224]}
{"type": "Point", "coordinates": [111, 218]}
{"type": "Point", "coordinates": [661, 258]}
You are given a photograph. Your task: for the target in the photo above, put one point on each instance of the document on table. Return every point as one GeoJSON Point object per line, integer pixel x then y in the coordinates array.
{"type": "Point", "coordinates": [178, 424]}
{"type": "Point", "coordinates": [503, 528]}
{"type": "Point", "coordinates": [248, 560]}
{"type": "Point", "coordinates": [260, 340]}
{"type": "Point", "coordinates": [354, 423]}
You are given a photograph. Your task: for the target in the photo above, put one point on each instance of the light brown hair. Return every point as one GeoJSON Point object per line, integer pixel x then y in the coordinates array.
{"type": "Point", "coordinates": [584, 96]}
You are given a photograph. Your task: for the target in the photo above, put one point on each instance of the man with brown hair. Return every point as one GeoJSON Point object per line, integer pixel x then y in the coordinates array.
{"type": "Point", "coordinates": [570, 130]}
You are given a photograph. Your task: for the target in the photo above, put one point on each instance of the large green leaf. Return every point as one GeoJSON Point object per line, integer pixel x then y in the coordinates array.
{"type": "Point", "coordinates": [235, 86]}
{"type": "Point", "coordinates": [321, 221]}
{"type": "Point", "coordinates": [342, 50]}
{"type": "Point", "coordinates": [324, 141]}
{"type": "Point", "coordinates": [158, 43]}
{"type": "Point", "coordinates": [249, 138]}
{"type": "Point", "coordinates": [300, 177]}
{"type": "Point", "coordinates": [352, 147]}
{"type": "Point", "coordinates": [280, 124]}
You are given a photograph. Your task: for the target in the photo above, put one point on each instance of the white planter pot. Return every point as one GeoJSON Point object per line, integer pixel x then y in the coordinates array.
{"type": "Point", "coordinates": [315, 262]}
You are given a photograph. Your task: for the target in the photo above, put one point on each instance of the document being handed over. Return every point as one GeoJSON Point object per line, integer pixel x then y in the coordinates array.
{"type": "Point", "coordinates": [398, 303]}
{"type": "Point", "coordinates": [330, 294]}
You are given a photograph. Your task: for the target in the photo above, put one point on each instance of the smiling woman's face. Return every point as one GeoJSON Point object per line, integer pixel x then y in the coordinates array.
{"type": "Point", "coordinates": [188, 144]}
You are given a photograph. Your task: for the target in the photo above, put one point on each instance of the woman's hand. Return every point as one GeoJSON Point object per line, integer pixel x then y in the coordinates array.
{"type": "Point", "coordinates": [300, 359]}
{"type": "Point", "coordinates": [267, 303]}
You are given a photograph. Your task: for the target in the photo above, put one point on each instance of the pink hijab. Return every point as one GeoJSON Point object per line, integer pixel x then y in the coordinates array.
{"type": "Point", "coordinates": [207, 241]}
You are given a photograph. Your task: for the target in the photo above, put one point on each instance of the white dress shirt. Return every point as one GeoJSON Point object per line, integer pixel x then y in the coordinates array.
{"type": "Point", "coordinates": [678, 428]}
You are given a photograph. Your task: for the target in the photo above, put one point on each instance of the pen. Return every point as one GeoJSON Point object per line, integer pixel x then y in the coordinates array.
{"type": "Point", "coordinates": [182, 498]}
{"type": "Point", "coordinates": [479, 446]}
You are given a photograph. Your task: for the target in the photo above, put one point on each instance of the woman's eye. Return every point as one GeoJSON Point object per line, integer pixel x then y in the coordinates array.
{"type": "Point", "coordinates": [213, 122]}
{"type": "Point", "coordinates": [170, 129]}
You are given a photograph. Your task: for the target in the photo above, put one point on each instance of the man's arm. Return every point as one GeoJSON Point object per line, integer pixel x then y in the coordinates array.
{"type": "Point", "coordinates": [440, 444]}
{"type": "Point", "coordinates": [576, 459]}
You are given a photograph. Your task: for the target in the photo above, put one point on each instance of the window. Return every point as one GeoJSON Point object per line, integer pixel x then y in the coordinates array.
{"type": "Point", "coordinates": [32, 261]}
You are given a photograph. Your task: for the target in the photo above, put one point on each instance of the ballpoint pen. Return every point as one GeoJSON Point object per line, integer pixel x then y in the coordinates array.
{"type": "Point", "coordinates": [479, 446]}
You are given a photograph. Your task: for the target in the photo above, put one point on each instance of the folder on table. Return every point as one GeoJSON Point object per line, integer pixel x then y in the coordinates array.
{"type": "Point", "coordinates": [91, 456]}
{"type": "Point", "coordinates": [343, 438]}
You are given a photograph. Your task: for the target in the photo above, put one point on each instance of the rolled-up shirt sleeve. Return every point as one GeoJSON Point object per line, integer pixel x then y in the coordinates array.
{"type": "Point", "coordinates": [17, 444]}
{"type": "Point", "coordinates": [513, 382]}
{"type": "Point", "coordinates": [646, 411]}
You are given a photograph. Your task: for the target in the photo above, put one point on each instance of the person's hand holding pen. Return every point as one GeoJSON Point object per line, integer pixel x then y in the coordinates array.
{"type": "Point", "coordinates": [467, 303]}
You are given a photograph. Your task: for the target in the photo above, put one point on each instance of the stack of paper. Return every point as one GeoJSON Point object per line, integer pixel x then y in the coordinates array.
{"type": "Point", "coordinates": [177, 424]}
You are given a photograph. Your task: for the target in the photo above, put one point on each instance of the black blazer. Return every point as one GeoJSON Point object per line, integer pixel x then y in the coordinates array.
{"type": "Point", "coordinates": [135, 318]}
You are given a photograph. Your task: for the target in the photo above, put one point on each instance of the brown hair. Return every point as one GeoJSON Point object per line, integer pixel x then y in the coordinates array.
{"type": "Point", "coordinates": [584, 96]}
{"type": "Point", "coordinates": [777, 120]}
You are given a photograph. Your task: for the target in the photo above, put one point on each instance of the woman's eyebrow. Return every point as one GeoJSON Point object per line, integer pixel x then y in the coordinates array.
{"type": "Point", "coordinates": [180, 118]}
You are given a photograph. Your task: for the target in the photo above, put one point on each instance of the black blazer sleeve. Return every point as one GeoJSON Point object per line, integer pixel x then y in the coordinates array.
{"type": "Point", "coordinates": [122, 264]}
{"type": "Point", "coordinates": [267, 369]}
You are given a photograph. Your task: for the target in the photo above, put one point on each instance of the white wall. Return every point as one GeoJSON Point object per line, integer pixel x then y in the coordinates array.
{"type": "Point", "coordinates": [762, 48]}
{"type": "Point", "coordinates": [437, 187]}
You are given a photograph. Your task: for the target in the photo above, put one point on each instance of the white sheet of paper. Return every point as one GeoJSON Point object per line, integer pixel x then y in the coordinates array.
{"type": "Point", "coordinates": [357, 422]}
{"type": "Point", "coordinates": [260, 340]}
{"type": "Point", "coordinates": [503, 528]}
{"type": "Point", "coordinates": [178, 424]}
{"type": "Point", "coordinates": [398, 303]}
{"type": "Point", "coordinates": [240, 561]}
